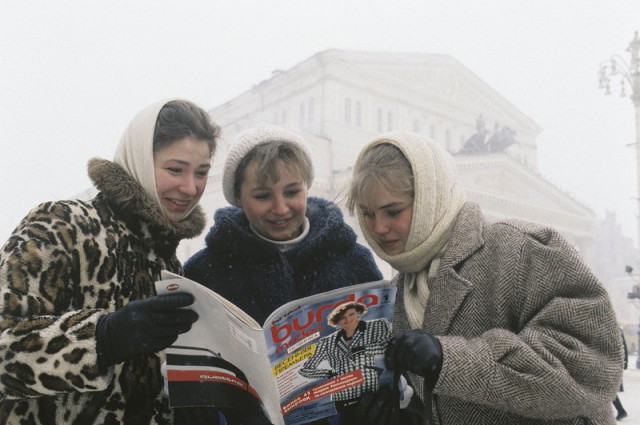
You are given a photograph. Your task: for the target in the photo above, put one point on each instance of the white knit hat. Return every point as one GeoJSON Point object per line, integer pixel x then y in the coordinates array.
{"type": "Point", "coordinates": [249, 139]}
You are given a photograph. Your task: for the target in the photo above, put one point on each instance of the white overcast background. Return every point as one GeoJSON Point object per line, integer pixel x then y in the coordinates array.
{"type": "Point", "coordinates": [73, 73]}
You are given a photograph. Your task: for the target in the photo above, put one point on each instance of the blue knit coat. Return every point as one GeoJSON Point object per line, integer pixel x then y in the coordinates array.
{"type": "Point", "coordinates": [256, 276]}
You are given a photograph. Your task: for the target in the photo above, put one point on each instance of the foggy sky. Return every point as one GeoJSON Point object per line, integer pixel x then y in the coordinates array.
{"type": "Point", "coordinates": [73, 73]}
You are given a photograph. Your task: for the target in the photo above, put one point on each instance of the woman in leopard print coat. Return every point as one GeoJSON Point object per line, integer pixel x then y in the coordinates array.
{"type": "Point", "coordinates": [70, 264]}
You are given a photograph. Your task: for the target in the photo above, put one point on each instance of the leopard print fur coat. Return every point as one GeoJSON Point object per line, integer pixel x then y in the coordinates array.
{"type": "Point", "coordinates": [67, 264]}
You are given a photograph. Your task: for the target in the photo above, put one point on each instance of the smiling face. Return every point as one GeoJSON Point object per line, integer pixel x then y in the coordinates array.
{"type": "Point", "coordinates": [275, 209]}
{"type": "Point", "coordinates": [388, 219]}
{"type": "Point", "coordinates": [181, 170]}
{"type": "Point", "coordinates": [349, 321]}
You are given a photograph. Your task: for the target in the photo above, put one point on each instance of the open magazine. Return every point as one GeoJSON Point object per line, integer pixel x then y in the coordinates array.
{"type": "Point", "coordinates": [297, 367]}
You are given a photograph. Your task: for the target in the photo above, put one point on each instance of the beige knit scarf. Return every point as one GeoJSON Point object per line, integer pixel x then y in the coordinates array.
{"type": "Point", "coordinates": [437, 202]}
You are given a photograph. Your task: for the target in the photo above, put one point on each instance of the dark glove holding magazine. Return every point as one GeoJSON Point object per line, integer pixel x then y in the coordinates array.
{"type": "Point", "coordinates": [418, 352]}
{"type": "Point", "coordinates": [143, 327]}
{"type": "Point", "coordinates": [415, 351]}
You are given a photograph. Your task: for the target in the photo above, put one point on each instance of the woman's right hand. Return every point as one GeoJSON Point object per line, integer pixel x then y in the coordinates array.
{"type": "Point", "coordinates": [415, 351]}
{"type": "Point", "coordinates": [143, 327]}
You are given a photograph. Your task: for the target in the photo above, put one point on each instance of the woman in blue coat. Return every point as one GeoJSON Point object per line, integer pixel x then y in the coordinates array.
{"type": "Point", "coordinates": [275, 244]}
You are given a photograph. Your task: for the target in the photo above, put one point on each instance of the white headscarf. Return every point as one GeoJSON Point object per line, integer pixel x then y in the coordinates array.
{"type": "Point", "coordinates": [135, 150]}
{"type": "Point", "coordinates": [438, 199]}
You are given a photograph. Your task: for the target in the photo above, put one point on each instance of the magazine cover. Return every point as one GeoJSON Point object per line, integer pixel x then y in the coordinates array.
{"type": "Point", "coordinates": [325, 354]}
{"type": "Point", "coordinates": [311, 358]}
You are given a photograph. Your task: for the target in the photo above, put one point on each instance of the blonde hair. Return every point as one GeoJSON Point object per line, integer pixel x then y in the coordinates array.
{"type": "Point", "coordinates": [383, 166]}
{"type": "Point", "coordinates": [267, 155]}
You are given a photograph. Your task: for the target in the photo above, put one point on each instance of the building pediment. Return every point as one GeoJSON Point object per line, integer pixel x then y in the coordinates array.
{"type": "Point", "coordinates": [435, 77]}
{"type": "Point", "coordinates": [340, 99]}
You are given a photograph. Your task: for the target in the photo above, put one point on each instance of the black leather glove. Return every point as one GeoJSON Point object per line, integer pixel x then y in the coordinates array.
{"type": "Point", "coordinates": [415, 351]}
{"type": "Point", "coordinates": [142, 327]}
{"type": "Point", "coordinates": [375, 409]}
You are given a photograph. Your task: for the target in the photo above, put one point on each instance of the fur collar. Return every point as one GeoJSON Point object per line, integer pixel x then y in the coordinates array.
{"type": "Point", "coordinates": [328, 234]}
{"type": "Point", "coordinates": [127, 195]}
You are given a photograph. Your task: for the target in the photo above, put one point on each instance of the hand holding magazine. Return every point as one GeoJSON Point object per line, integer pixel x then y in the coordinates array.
{"type": "Point", "coordinates": [311, 357]}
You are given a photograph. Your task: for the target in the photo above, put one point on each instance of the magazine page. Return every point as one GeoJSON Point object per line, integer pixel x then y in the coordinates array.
{"type": "Point", "coordinates": [327, 349]}
{"type": "Point", "coordinates": [202, 293]}
{"type": "Point", "coordinates": [222, 360]}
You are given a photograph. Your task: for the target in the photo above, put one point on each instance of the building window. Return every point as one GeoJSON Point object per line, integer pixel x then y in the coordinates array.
{"type": "Point", "coordinates": [358, 114]}
{"type": "Point", "coordinates": [347, 110]}
{"type": "Point", "coordinates": [416, 126]}
{"type": "Point", "coordinates": [284, 116]}
{"type": "Point", "coordinates": [432, 131]}
{"type": "Point", "coordinates": [379, 120]}
{"type": "Point", "coordinates": [311, 109]}
{"type": "Point", "coordinates": [389, 121]}
{"type": "Point", "coordinates": [301, 117]}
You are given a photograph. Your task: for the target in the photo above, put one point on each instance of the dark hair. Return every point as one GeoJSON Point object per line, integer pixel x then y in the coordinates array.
{"type": "Point", "coordinates": [179, 119]}
{"type": "Point", "coordinates": [338, 313]}
{"type": "Point", "coordinates": [267, 156]}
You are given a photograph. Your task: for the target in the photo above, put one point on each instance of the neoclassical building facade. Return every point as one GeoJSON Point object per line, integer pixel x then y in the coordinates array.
{"type": "Point", "coordinates": [340, 99]}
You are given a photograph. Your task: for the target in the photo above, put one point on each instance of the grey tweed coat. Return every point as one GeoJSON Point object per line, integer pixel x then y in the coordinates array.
{"type": "Point", "coordinates": [528, 333]}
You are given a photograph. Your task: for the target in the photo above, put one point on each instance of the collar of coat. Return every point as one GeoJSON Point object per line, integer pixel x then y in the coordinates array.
{"type": "Point", "coordinates": [466, 237]}
{"type": "Point", "coordinates": [362, 326]}
{"type": "Point", "coordinates": [448, 290]}
{"type": "Point", "coordinates": [125, 194]}
{"type": "Point", "coordinates": [329, 235]}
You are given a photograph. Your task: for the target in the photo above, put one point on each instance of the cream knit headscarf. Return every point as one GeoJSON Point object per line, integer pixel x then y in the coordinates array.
{"type": "Point", "coordinates": [438, 199]}
{"type": "Point", "coordinates": [135, 150]}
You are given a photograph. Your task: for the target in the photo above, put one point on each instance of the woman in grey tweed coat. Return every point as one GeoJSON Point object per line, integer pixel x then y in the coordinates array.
{"type": "Point", "coordinates": [495, 323]}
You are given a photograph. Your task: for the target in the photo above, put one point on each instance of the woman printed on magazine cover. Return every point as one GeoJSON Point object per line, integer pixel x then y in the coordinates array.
{"type": "Point", "coordinates": [275, 244]}
{"type": "Point", "coordinates": [503, 322]}
{"type": "Point", "coordinates": [82, 327]}
{"type": "Point", "coordinates": [353, 347]}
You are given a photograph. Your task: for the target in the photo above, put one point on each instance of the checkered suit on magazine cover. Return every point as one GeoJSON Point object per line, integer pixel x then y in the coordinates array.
{"type": "Point", "coordinates": [369, 340]}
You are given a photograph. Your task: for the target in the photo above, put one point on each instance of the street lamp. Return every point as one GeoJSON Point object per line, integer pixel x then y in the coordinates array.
{"type": "Point", "coordinates": [629, 75]}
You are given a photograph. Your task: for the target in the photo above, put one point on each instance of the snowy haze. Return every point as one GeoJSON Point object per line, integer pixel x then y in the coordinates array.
{"type": "Point", "coordinates": [73, 73]}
